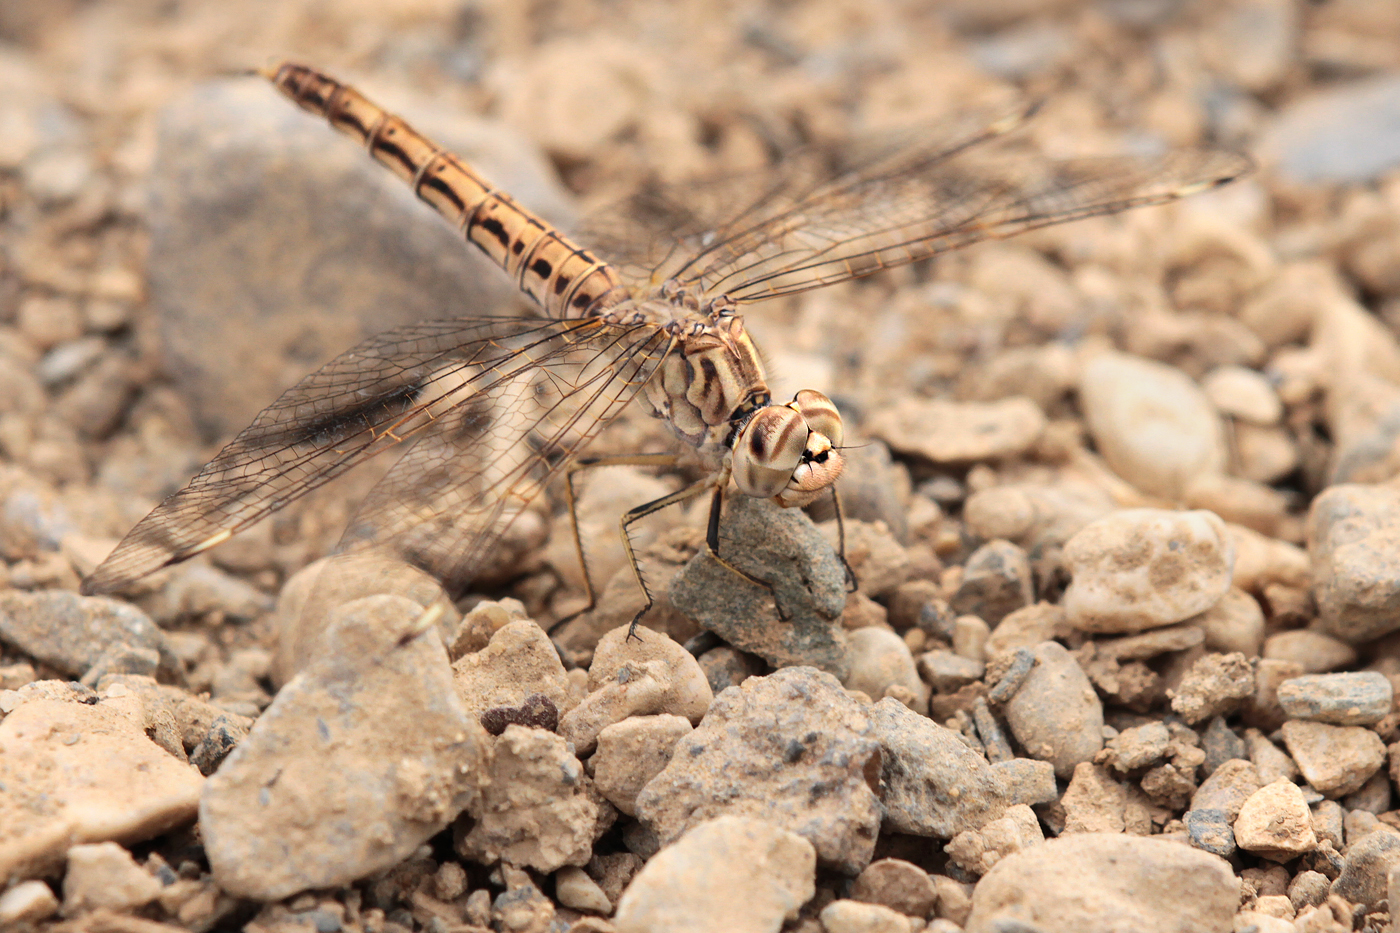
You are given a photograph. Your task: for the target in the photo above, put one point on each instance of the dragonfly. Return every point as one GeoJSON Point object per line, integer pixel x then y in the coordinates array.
{"type": "Point", "coordinates": [486, 411]}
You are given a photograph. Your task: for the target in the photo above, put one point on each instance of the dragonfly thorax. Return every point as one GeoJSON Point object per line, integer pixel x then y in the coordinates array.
{"type": "Point", "coordinates": [790, 453]}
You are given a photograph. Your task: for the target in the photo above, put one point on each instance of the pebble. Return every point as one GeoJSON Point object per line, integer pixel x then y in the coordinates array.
{"type": "Point", "coordinates": [1308, 889]}
{"type": "Point", "coordinates": [519, 661]}
{"type": "Point", "coordinates": [1240, 501]}
{"type": "Point", "coordinates": [371, 738]}
{"type": "Point", "coordinates": [898, 885]}
{"type": "Point", "coordinates": [1355, 548]}
{"type": "Point", "coordinates": [1373, 796]}
{"type": "Point", "coordinates": [1268, 759]}
{"type": "Point", "coordinates": [968, 432]}
{"type": "Point", "coordinates": [1094, 801]}
{"type": "Point", "coordinates": [1152, 423]}
{"type": "Point", "coordinates": [946, 672]}
{"type": "Point", "coordinates": [233, 162]}
{"type": "Point", "coordinates": [1027, 780]}
{"type": "Point", "coordinates": [977, 850]}
{"type": "Point", "coordinates": [1335, 760]}
{"type": "Point", "coordinates": [27, 902]}
{"type": "Point", "coordinates": [726, 667]}
{"type": "Point", "coordinates": [104, 875]}
{"type": "Point", "coordinates": [637, 689]}
{"type": "Point", "coordinates": [1028, 627]}
{"type": "Point", "coordinates": [689, 695]}
{"type": "Point", "coordinates": [876, 557]}
{"type": "Point", "coordinates": [1056, 716]}
{"type": "Point", "coordinates": [784, 548]}
{"type": "Point", "coordinates": [996, 582]}
{"type": "Point", "coordinates": [933, 784]}
{"type": "Point", "coordinates": [575, 890]}
{"type": "Point", "coordinates": [1244, 394]}
{"type": "Point", "coordinates": [850, 916]}
{"type": "Point", "coordinates": [632, 752]}
{"type": "Point", "coordinates": [1236, 623]}
{"type": "Point", "coordinates": [1343, 134]}
{"type": "Point", "coordinates": [1227, 788]}
{"type": "Point", "coordinates": [1366, 868]}
{"type": "Point", "coordinates": [1329, 822]}
{"type": "Point", "coordinates": [1138, 569]}
{"type": "Point", "coordinates": [1136, 748]}
{"type": "Point", "coordinates": [1274, 823]}
{"type": "Point", "coordinates": [1215, 684]}
{"type": "Point", "coordinates": [880, 660]}
{"type": "Point", "coordinates": [1313, 652]}
{"type": "Point", "coordinates": [1101, 881]}
{"type": "Point", "coordinates": [77, 773]}
{"type": "Point", "coordinates": [1356, 698]}
{"type": "Point", "coordinates": [1220, 743]}
{"type": "Point", "coordinates": [72, 632]}
{"type": "Point", "coordinates": [763, 750]}
{"type": "Point", "coordinates": [731, 874]}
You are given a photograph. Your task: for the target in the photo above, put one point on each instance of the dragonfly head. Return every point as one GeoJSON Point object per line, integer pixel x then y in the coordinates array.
{"type": "Point", "coordinates": [790, 453]}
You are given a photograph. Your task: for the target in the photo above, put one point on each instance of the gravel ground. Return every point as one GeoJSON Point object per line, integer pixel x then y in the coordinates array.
{"type": "Point", "coordinates": [1120, 497]}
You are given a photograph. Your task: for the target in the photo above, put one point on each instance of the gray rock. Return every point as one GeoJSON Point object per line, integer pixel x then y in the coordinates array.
{"type": "Point", "coordinates": [791, 748]}
{"type": "Point", "coordinates": [1056, 716]}
{"type": "Point", "coordinates": [72, 633]}
{"type": "Point", "coordinates": [1209, 830]}
{"type": "Point", "coordinates": [360, 759]}
{"type": "Point", "coordinates": [1105, 881]}
{"type": "Point", "coordinates": [726, 667]}
{"type": "Point", "coordinates": [934, 785]}
{"type": "Point", "coordinates": [732, 874]}
{"type": "Point", "coordinates": [1354, 542]}
{"type": "Point", "coordinates": [1028, 781]}
{"type": "Point", "coordinates": [1308, 889]}
{"type": "Point", "coordinates": [946, 672]}
{"type": "Point", "coordinates": [1366, 866]}
{"type": "Point", "coordinates": [1220, 744]}
{"type": "Point", "coordinates": [1357, 698]}
{"type": "Point", "coordinates": [784, 549]}
{"type": "Point", "coordinates": [276, 243]}
{"type": "Point", "coordinates": [1345, 134]}
{"type": "Point", "coordinates": [1227, 788]}
{"type": "Point", "coordinates": [996, 582]}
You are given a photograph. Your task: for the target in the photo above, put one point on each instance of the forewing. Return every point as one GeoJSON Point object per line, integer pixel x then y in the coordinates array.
{"type": "Point", "coordinates": [416, 382]}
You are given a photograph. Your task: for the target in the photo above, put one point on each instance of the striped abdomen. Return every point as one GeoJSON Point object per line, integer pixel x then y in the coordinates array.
{"type": "Point", "coordinates": [566, 280]}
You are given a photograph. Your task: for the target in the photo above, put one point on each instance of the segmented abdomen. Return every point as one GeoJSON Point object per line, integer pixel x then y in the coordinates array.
{"type": "Point", "coordinates": [565, 279]}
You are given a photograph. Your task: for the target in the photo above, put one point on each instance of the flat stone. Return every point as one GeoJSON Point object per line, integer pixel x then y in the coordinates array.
{"type": "Point", "coordinates": [786, 550]}
{"type": "Point", "coordinates": [946, 672]}
{"type": "Point", "coordinates": [359, 760]}
{"type": "Point", "coordinates": [967, 431]}
{"type": "Point", "coordinates": [1227, 788]}
{"type": "Point", "coordinates": [519, 661]}
{"type": "Point", "coordinates": [632, 752]}
{"type": "Point", "coordinates": [1100, 881]}
{"type": "Point", "coordinates": [72, 632]}
{"type": "Point", "coordinates": [880, 659]}
{"type": "Point", "coordinates": [1055, 715]}
{"type": "Point", "coordinates": [1354, 542]}
{"type": "Point", "coordinates": [1274, 823]}
{"type": "Point", "coordinates": [1215, 684]}
{"type": "Point", "coordinates": [763, 750]}
{"type": "Point", "coordinates": [1335, 760]}
{"type": "Point", "coordinates": [852, 916]}
{"type": "Point", "coordinates": [1152, 423]}
{"type": "Point", "coordinates": [104, 875]}
{"type": "Point", "coordinates": [1137, 569]}
{"type": "Point", "coordinates": [78, 773]}
{"type": "Point", "coordinates": [1342, 134]}
{"type": "Point", "coordinates": [731, 874]}
{"type": "Point", "coordinates": [1357, 698]}
{"type": "Point", "coordinates": [1366, 868]}
{"type": "Point", "coordinates": [1313, 652]}
{"type": "Point", "coordinates": [934, 785]}
{"type": "Point", "coordinates": [898, 885]}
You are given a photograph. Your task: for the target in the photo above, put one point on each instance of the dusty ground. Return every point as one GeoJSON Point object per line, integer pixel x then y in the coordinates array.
{"type": "Point", "coordinates": [1123, 507]}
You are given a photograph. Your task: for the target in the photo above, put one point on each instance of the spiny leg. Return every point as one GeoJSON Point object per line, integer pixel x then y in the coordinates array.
{"type": "Point", "coordinates": [851, 583]}
{"type": "Point", "coordinates": [642, 511]}
{"type": "Point", "coordinates": [587, 463]}
{"type": "Point", "coordinates": [712, 545]}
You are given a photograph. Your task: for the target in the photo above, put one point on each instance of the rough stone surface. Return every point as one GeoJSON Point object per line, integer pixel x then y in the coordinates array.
{"type": "Point", "coordinates": [636, 689]}
{"type": "Point", "coordinates": [1152, 423]}
{"type": "Point", "coordinates": [967, 431]}
{"type": "Point", "coordinates": [1358, 698]}
{"type": "Point", "coordinates": [535, 809]}
{"type": "Point", "coordinates": [361, 758]}
{"type": "Point", "coordinates": [1227, 787]}
{"type": "Point", "coordinates": [761, 751]}
{"type": "Point", "coordinates": [519, 661]}
{"type": "Point", "coordinates": [934, 785]}
{"type": "Point", "coordinates": [785, 550]}
{"type": "Point", "coordinates": [1274, 822]}
{"type": "Point", "coordinates": [104, 875]}
{"type": "Point", "coordinates": [1215, 684]}
{"type": "Point", "coordinates": [977, 850]}
{"type": "Point", "coordinates": [1094, 801]}
{"type": "Point", "coordinates": [1366, 868]}
{"type": "Point", "coordinates": [78, 773]}
{"type": "Point", "coordinates": [73, 632]}
{"type": "Point", "coordinates": [734, 873]}
{"type": "Point", "coordinates": [852, 916]}
{"type": "Point", "coordinates": [689, 695]}
{"type": "Point", "coordinates": [880, 659]}
{"type": "Point", "coordinates": [898, 885]}
{"type": "Point", "coordinates": [1138, 569]}
{"type": "Point", "coordinates": [1208, 829]}
{"type": "Point", "coordinates": [1056, 716]}
{"type": "Point", "coordinates": [996, 582]}
{"type": "Point", "coordinates": [1352, 539]}
{"type": "Point", "coordinates": [1335, 760]}
{"type": "Point", "coordinates": [1098, 881]}
{"type": "Point", "coordinates": [632, 752]}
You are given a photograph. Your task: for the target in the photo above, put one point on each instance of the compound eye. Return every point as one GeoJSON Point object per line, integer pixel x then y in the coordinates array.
{"type": "Point", "coordinates": [768, 450]}
{"type": "Point", "coordinates": [820, 414]}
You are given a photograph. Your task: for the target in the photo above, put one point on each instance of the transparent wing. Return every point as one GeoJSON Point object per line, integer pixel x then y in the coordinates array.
{"type": "Point", "coordinates": [494, 405]}
{"type": "Point", "coordinates": [899, 201]}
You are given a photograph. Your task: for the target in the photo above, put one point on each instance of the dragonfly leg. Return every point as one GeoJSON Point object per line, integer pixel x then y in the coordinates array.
{"type": "Point", "coordinates": [712, 545]}
{"type": "Point", "coordinates": [588, 463]}
{"type": "Point", "coordinates": [640, 512]}
{"type": "Point", "coordinates": [851, 583]}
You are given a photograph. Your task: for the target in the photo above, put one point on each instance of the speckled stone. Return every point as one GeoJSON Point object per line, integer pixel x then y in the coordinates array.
{"type": "Point", "coordinates": [1356, 698]}
{"type": "Point", "coordinates": [1336, 760]}
{"type": "Point", "coordinates": [1354, 541]}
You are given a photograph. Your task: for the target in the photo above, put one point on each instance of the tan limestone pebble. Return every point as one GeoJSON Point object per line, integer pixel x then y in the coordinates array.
{"type": "Point", "coordinates": [967, 431]}
{"type": "Point", "coordinates": [1056, 715]}
{"type": "Point", "coordinates": [880, 659]}
{"type": "Point", "coordinates": [1336, 760]}
{"type": "Point", "coordinates": [851, 916]}
{"type": "Point", "coordinates": [574, 889]}
{"type": "Point", "coordinates": [1274, 822]}
{"type": "Point", "coordinates": [27, 902]}
{"type": "Point", "coordinates": [632, 752]}
{"type": "Point", "coordinates": [1105, 881]}
{"type": "Point", "coordinates": [517, 662]}
{"type": "Point", "coordinates": [732, 874]}
{"type": "Point", "coordinates": [1215, 684]}
{"type": "Point", "coordinates": [1355, 549]}
{"type": "Point", "coordinates": [104, 874]}
{"type": "Point", "coordinates": [689, 695]}
{"type": "Point", "coordinates": [1151, 422]}
{"type": "Point", "coordinates": [1244, 394]}
{"type": "Point", "coordinates": [898, 885]}
{"type": "Point", "coordinates": [1137, 569]}
{"type": "Point", "coordinates": [1314, 652]}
